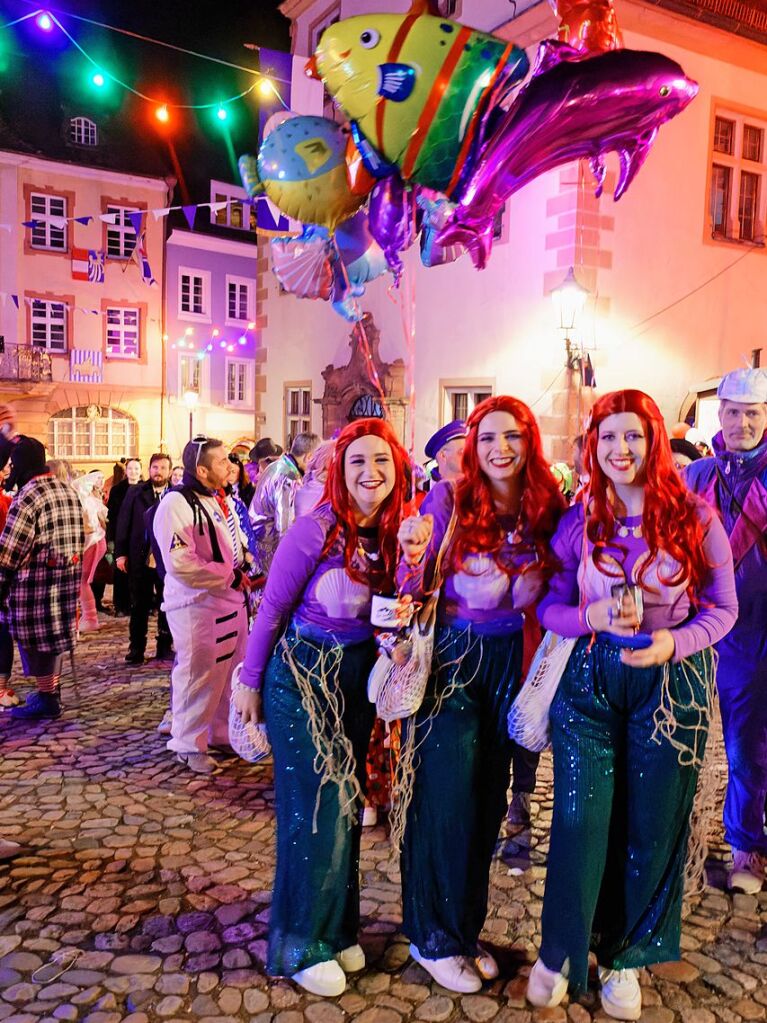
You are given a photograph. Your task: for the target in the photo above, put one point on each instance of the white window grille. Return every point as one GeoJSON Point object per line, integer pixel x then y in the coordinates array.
{"type": "Point", "coordinates": [50, 230]}
{"type": "Point", "coordinates": [461, 400]}
{"type": "Point", "coordinates": [239, 375]}
{"type": "Point", "coordinates": [123, 325]}
{"type": "Point", "coordinates": [298, 411]}
{"type": "Point", "coordinates": [83, 131]}
{"type": "Point", "coordinates": [92, 432]}
{"type": "Point", "coordinates": [193, 294]}
{"type": "Point", "coordinates": [121, 237]}
{"type": "Point", "coordinates": [49, 325]}
{"type": "Point", "coordinates": [738, 190]}
{"type": "Point", "coordinates": [240, 294]}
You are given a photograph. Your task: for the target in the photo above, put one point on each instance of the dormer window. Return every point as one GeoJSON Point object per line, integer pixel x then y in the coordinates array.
{"type": "Point", "coordinates": [83, 132]}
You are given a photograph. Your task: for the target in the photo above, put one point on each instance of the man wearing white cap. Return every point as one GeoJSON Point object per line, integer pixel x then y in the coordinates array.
{"type": "Point", "coordinates": [734, 482]}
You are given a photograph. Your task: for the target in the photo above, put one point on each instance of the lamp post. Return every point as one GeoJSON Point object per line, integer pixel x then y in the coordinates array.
{"type": "Point", "coordinates": [569, 298]}
{"type": "Point", "coordinates": [191, 399]}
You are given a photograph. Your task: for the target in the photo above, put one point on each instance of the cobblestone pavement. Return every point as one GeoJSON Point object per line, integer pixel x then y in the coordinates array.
{"type": "Point", "coordinates": [161, 881]}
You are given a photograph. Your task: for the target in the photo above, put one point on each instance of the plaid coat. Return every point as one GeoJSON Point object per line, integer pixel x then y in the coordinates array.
{"type": "Point", "coordinates": [41, 550]}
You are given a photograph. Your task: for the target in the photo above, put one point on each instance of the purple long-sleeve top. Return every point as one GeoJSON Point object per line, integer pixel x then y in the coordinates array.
{"type": "Point", "coordinates": [579, 582]}
{"type": "Point", "coordinates": [482, 594]}
{"type": "Point", "coordinates": [312, 591]}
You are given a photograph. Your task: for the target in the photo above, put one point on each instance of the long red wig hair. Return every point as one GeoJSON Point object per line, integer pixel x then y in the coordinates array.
{"type": "Point", "coordinates": [671, 517]}
{"type": "Point", "coordinates": [478, 530]}
{"type": "Point", "coordinates": [337, 496]}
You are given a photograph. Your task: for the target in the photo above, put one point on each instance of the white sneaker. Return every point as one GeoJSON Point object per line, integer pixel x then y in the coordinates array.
{"type": "Point", "coordinates": [621, 994]}
{"type": "Point", "coordinates": [165, 726]}
{"type": "Point", "coordinates": [486, 965]}
{"type": "Point", "coordinates": [456, 973]}
{"type": "Point", "coordinates": [351, 959]}
{"type": "Point", "coordinates": [748, 871]}
{"type": "Point", "coordinates": [89, 627]}
{"type": "Point", "coordinates": [326, 979]}
{"type": "Point", "coordinates": [369, 817]}
{"type": "Point", "coordinates": [546, 988]}
{"type": "Point", "coordinates": [200, 763]}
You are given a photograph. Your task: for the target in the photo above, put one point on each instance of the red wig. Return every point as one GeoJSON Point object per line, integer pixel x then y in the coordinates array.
{"type": "Point", "coordinates": [671, 517]}
{"type": "Point", "coordinates": [478, 530]}
{"type": "Point", "coordinates": [337, 496]}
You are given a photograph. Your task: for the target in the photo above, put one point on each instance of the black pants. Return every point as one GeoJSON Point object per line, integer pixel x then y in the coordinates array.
{"type": "Point", "coordinates": [524, 767]}
{"type": "Point", "coordinates": [121, 592]}
{"type": "Point", "coordinates": [146, 594]}
{"type": "Point", "coordinates": [6, 651]}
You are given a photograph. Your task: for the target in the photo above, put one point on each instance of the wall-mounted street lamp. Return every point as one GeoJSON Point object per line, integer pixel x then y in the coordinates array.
{"type": "Point", "coordinates": [569, 298]}
{"type": "Point", "coordinates": [191, 398]}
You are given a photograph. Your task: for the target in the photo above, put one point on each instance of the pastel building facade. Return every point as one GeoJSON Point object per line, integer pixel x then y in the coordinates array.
{"type": "Point", "coordinates": [675, 271]}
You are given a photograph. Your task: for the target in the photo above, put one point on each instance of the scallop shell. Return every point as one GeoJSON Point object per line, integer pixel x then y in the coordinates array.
{"type": "Point", "coordinates": [340, 596]}
{"type": "Point", "coordinates": [302, 266]}
{"type": "Point", "coordinates": [482, 586]}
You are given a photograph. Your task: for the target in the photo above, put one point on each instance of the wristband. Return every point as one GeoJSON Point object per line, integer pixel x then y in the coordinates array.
{"type": "Point", "coordinates": [247, 689]}
{"type": "Point", "coordinates": [589, 626]}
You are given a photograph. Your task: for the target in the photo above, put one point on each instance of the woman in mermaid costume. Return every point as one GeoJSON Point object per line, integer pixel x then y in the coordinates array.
{"type": "Point", "coordinates": [492, 532]}
{"type": "Point", "coordinates": [310, 653]}
{"type": "Point", "coordinates": [646, 583]}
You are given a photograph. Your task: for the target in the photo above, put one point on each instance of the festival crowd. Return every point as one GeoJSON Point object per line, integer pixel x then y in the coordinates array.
{"type": "Point", "coordinates": [281, 584]}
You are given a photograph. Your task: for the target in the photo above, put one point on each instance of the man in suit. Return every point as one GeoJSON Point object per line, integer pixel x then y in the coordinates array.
{"type": "Point", "coordinates": [134, 557]}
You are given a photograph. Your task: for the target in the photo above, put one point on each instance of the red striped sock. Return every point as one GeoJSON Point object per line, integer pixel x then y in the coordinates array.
{"type": "Point", "coordinates": [48, 683]}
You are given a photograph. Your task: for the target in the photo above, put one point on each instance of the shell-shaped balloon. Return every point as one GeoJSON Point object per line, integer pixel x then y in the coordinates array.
{"type": "Point", "coordinates": [340, 596]}
{"type": "Point", "coordinates": [302, 266]}
{"type": "Point", "coordinates": [482, 586]}
{"type": "Point", "coordinates": [302, 167]}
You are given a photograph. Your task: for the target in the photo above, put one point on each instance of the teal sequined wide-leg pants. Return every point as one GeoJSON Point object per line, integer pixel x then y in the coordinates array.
{"type": "Point", "coordinates": [315, 904]}
{"type": "Point", "coordinates": [622, 804]}
{"type": "Point", "coordinates": [462, 768]}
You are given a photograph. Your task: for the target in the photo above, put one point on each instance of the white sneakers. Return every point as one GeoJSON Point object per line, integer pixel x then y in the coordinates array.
{"type": "Point", "coordinates": [166, 725]}
{"type": "Point", "coordinates": [748, 871]}
{"type": "Point", "coordinates": [326, 979]}
{"type": "Point", "coordinates": [621, 995]}
{"type": "Point", "coordinates": [200, 763]}
{"type": "Point", "coordinates": [369, 817]}
{"type": "Point", "coordinates": [456, 973]}
{"type": "Point", "coordinates": [486, 965]}
{"type": "Point", "coordinates": [546, 988]}
{"type": "Point", "coordinates": [351, 959]}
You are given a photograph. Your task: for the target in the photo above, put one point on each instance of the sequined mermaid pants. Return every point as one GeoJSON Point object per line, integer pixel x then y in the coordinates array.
{"type": "Point", "coordinates": [315, 905]}
{"type": "Point", "coordinates": [459, 797]}
{"type": "Point", "coordinates": [622, 804]}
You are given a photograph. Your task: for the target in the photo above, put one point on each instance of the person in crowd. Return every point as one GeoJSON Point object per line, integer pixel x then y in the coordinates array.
{"type": "Point", "coordinates": [239, 482]}
{"type": "Point", "coordinates": [89, 490]}
{"type": "Point", "coordinates": [232, 488]}
{"type": "Point", "coordinates": [8, 697]}
{"type": "Point", "coordinates": [310, 652]}
{"type": "Point", "coordinates": [734, 483]}
{"type": "Point", "coordinates": [311, 490]}
{"type": "Point", "coordinates": [61, 469]}
{"type": "Point", "coordinates": [176, 475]}
{"type": "Point", "coordinates": [646, 584]}
{"type": "Point", "coordinates": [117, 495]}
{"type": "Point", "coordinates": [133, 555]}
{"type": "Point", "coordinates": [698, 439]}
{"type": "Point", "coordinates": [272, 509]}
{"type": "Point", "coordinates": [261, 455]}
{"type": "Point", "coordinates": [492, 528]}
{"type": "Point", "coordinates": [446, 448]}
{"type": "Point", "coordinates": [202, 547]}
{"type": "Point", "coordinates": [40, 569]}
{"type": "Point", "coordinates": [683, 453]}
{"type": "Point", "coordinates": [581, 476]}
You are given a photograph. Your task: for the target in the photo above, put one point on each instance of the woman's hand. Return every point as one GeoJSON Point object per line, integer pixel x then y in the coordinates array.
{"type": "Point", "coordinates": [661, 650]}
{"type": "Point", "coordinates": [608, 615]}
{"type": "Point", "coordinates": [414, 536]}
{"type": "Point", "coordinates": [248, 703]}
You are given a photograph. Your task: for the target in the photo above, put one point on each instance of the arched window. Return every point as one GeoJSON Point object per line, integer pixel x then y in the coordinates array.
{"type": "Point", "coordinates": [92, 431]}
{"type": "Point", "coordinates": [83, 132]}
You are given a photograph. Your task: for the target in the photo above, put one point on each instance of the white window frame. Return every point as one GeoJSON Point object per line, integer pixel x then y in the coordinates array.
{"type": "Point", "coordinates": [325, 20]}
{"type": "Point", "coordinates": [121, 235]}
{"type": "Point", "coordinates": [192, 317]}
{"type": "Point", "coordinates": [220, 191]}
{"type": "Point", "coordinates": [250, 300]}
{"type": "Point", "coordinates": [738, 165]}
{"type": "Point", "coordinates": [83, 131]}
{"type": "Point", "coordinates": [245, 372]}
{"type": "Point", "coordinates": [41, 314]}
{"type": "Point", "coordinates": [471, 388]}
{"type": "Point", "coordinates": [119, 333]}
{"type": "Point", "coordinates": [45, 235]}
{"type": "Point", "coordinates": [296, 422]}
{"type": "Point", "coordinates": [198, 377]}
{"type": "Point", "coordinates": [64, 439]}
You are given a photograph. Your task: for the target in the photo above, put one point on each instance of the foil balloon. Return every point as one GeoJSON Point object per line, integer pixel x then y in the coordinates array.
{"type": "Point", "coordinates": [415, 88]}
{"type": "Point", "coordinates": [436, 215]}
{"type": "Point", "coordinates": [360, 253]}
{"type": "Point", "coordinates": [303, 265]}
{"type": "Point", "coordinates": [301, 166]}
{"type": "Point", "coordinates": [588, 25]}
{"type": "Point", "coordinates": [394, 219]}
{"type": "Point", "coordinates": [572, 107]}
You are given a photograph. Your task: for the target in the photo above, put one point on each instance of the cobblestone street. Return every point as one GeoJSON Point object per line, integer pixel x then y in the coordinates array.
{"type": "Point", "coordinates": [161, 881]}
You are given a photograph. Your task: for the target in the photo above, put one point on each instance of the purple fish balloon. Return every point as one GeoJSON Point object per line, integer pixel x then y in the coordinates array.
{"type": "Point", "coordinates": [393, 221]}
{"type": "Point", "coordinates": [573, 107]}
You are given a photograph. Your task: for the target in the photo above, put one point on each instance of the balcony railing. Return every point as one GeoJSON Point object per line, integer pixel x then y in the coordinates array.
{"type": "Point", "coordinates": [24, 363]}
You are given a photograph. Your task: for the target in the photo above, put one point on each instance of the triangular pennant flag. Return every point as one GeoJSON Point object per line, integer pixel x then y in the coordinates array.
{"type": "Point", "coordinates": [15, 300]}
{"type": "Point", "coordinates": [157, 214]}
{"type": "Point", "coordinates": [31, 223]}
{"type": "Point", "coordinates": [83, 220]}
{"type": "Point", "coordinates": [190, 212]}
{"type": "Point", "coordinates": [588, 376]}
{"type": "Point", "coordinates": [108, 218]}
{"type": "Point", "coordinates": [135, 219]}
{"type": "Point", "coordinates": [58, 222]}
{"type": "Point", "coordinates": [216, 207]}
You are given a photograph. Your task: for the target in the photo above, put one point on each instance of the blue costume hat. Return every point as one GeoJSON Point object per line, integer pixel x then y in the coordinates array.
{"type": "Point", "coordinates": [443, 436]}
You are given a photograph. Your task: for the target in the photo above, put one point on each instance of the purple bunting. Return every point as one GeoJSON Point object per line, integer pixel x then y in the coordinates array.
{"type": "Point", "coordinates": [135, 219]}
{"type": "Point", "coordinates": [15, 300]}
{"type": "Point", "coordinates": [31, 223]}
{"type": "Point", "coordinates": [83, 220]}
{"type": "Point", "coordinates": [190, 212]}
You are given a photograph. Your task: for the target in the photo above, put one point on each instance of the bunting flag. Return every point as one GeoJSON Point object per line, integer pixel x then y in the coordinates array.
{"type": "Point", "coordinates": [88, 265]}
{"type": "Point", "coordinates": [190, 212]}
{"type": "Point", "coordinates": [135, 219]}
{"type": "Point", "coordinates": [143, 260]}
{"type": "Point", "coordinates": [277, 64]}
{"type": "Point", "coordinates": [588, 376]}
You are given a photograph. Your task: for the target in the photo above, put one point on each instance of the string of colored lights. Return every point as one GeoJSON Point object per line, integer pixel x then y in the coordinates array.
{"type": "Point", "coordinates": [46, 20]}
